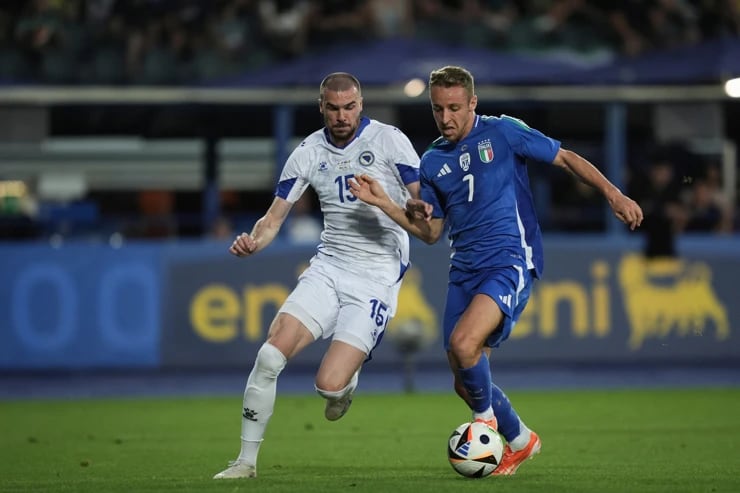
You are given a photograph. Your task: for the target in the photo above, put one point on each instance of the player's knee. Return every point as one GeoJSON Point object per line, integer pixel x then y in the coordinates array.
{"type": "Point", "coordinates": [270, 361]}
{"type": "Point", "coordinates": [464, 348]}
{"type": "Point", "coordinates": [331, 388]}
{"type": "Point", "coordinates": [333, 393]}
{"type": "Point", "coordinates": [329, 385]}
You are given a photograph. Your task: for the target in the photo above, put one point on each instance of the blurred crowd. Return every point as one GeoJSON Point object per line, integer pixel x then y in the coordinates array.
{"type": "Point", "coordinates": [680, 193]}
{"type": "Point", "coordinates": [190, 41]}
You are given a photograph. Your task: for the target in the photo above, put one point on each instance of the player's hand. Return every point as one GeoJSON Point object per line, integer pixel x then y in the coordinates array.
{"type": "Point", "coordinates": [418, 209]}
{"type": "Point", "coordinates": [367, 189]}
{"type": "Point", "coordinates": [626, 210]}
{"type": "Point", "coordinates": [243, 245]}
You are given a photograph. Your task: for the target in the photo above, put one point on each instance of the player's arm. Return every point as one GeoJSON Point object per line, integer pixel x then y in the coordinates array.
{"type": "Point", "coordinates": [264, 230]}
{"type": "Point", "coordinates": [626, 209]}
{"type": "Point", "coordinates": [414, 189]}
{"type": "Point", "coordinates": [371, 192]}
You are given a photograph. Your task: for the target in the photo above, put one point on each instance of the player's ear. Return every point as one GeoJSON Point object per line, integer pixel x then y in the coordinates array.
{"type": "Point", "coordinates": [321, 106]}
{"type": "Point", "coordinates": [473, 102]}
{"type": "Point", "coordinates": [359, 103]}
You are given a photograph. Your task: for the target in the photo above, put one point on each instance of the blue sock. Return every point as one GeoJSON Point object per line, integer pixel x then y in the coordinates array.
{"type": "Point", "coordinates": [477, 381]}
{"type": "Point", "coordinates": [508, 419]}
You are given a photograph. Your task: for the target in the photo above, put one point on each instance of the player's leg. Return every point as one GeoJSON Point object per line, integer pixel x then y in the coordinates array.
{"type": "Point", "coordinates": [312, 305]}
{"type": "Point", "coordinates": [522, 443]}
{"type": "Point", "coordinates": [367, 307]}
{"type": "Point", "coordinates": [337, 377]}
{"type": "Point", "coordinates": [458, 298]}
{"type": "Point", "coordinates": [468, 360]}
{"type": "Point", "coordinates": [287, 337]}
{"type": "Point", "coordinates": [511, 288]}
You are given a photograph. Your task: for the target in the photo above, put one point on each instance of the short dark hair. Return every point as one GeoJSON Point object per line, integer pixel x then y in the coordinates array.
{"type": "Point", "coordinates": [451, 76]}
{"type": "Point", "coordinates": [338, 81]}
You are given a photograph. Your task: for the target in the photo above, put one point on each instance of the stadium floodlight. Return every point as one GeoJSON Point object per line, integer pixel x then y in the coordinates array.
{"type": "Point", "coordinates": [732, 87]}
{"type": "Point", "coordinates": [414, 88]}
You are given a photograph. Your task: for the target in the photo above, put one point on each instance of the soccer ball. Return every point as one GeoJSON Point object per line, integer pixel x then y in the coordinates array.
{"type": "Point", "coordinates": [475, 449]}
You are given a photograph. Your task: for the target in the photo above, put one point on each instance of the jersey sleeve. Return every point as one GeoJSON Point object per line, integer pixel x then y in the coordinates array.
{"type": "Point", "coordinates": [528, 142]}
{"type": "Point", "coordinates": [404, 155]}
{"type": "Point", "coordinates": [293, 180]}
{"type": "Point", "coordinates": [428, 193]}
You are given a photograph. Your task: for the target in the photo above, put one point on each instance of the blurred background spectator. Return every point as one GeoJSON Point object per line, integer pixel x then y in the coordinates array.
{"type": "Point", "coordinates": [165, 42]}
{"type": "Point", "coordinates": [707, 208]}
{"type": "Point", "coordinates": [393, 18]}
{"type": "Point", "coordinates": [638, 25]}
{"type": "Point", "coordinates": [658, 191]}
{"type": "Point", "coordinates": [156, 218]}
{"type": "Point", "coordinates": [342, 22]}
{"type": "Point", "coordinates": [285, 24]}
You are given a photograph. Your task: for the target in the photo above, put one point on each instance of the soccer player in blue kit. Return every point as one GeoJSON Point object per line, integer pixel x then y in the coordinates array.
{"type": "Point", "coordinates": [474, 179]}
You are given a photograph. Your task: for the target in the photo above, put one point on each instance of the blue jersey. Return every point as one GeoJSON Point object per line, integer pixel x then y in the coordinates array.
{"type": "Point", "coordinates": [481, 187]}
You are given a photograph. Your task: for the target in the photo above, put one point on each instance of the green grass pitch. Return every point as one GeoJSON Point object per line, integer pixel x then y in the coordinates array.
{"type": "Point", "coordinates": [593, 441]}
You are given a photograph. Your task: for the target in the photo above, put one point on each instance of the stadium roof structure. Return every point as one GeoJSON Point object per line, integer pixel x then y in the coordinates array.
{"type": "Point", "coordinates": [711, 61]}
{"type": "Point", "coordinates": [397, 61]}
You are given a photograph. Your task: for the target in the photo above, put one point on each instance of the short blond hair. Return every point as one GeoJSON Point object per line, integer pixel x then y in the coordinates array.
{"type": "Point", "coordinates": [452, 76]}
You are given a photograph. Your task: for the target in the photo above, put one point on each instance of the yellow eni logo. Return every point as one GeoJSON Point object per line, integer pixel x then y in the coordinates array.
{"type": "Point", "coordinates": [219, 314]}
{"type": "Point", "coordinates": [588, 307]}
{"type": "Point", "coordinates": [669, 295]}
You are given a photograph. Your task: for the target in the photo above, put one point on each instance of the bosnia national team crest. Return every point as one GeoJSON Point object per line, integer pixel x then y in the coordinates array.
{"type": "Point", "coordinates": [367, 158]}
{"type": "Point", "coordinates": [485, 151]}
{"type": "Point", "coordinates": [465, 161]}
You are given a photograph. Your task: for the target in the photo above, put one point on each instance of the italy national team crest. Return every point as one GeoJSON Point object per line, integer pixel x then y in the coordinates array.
{"type": "Point", "coordinates": [465, 161]}
{"type": "Point", "coordinates": [485, 151]}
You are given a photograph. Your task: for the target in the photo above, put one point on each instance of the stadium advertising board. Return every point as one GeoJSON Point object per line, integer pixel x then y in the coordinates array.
{"type": "Point", "coordinates": [79, 306]}
{"type": "Point", "coordinates": [194, 305]}
{"type": "Point", "coordinates": [595, 304]}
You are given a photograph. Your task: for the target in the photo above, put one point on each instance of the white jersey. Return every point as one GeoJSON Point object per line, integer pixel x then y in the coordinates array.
{"type": "Point", "coordinates": [357, 237]}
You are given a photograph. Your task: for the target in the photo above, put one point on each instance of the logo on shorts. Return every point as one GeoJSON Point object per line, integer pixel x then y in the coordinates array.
{"type": "Point", "coordinates": [374, 335]}
{"type": "Point", "coordinates": [367, 158]}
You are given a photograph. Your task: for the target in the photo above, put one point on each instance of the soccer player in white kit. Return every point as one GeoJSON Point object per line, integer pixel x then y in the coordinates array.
{"type": "Point", "coordinates": [350, 290]}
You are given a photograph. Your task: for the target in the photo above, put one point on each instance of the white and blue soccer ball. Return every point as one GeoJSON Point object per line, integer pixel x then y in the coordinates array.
{"type": "Point", "coordinates": [475, 449]}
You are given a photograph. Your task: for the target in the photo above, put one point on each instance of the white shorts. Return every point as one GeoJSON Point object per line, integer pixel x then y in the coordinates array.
{"type": "Point", "coordinates": [331, 302]}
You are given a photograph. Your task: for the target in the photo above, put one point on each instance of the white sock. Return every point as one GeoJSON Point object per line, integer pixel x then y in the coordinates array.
{"type": "Point", "coordinates": [522, 439]}
{"type": "Point", "coordinates": [259, 400]}
{"type": "Point", "coordinates": [485, 415]}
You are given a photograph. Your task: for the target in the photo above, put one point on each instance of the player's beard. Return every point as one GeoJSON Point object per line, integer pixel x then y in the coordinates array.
{"type": "Point", "coordinates": [342, 134]}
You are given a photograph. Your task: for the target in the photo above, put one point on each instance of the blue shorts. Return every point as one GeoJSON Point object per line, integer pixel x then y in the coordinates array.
{"type": "Point", "coordinates": [509, 287]}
